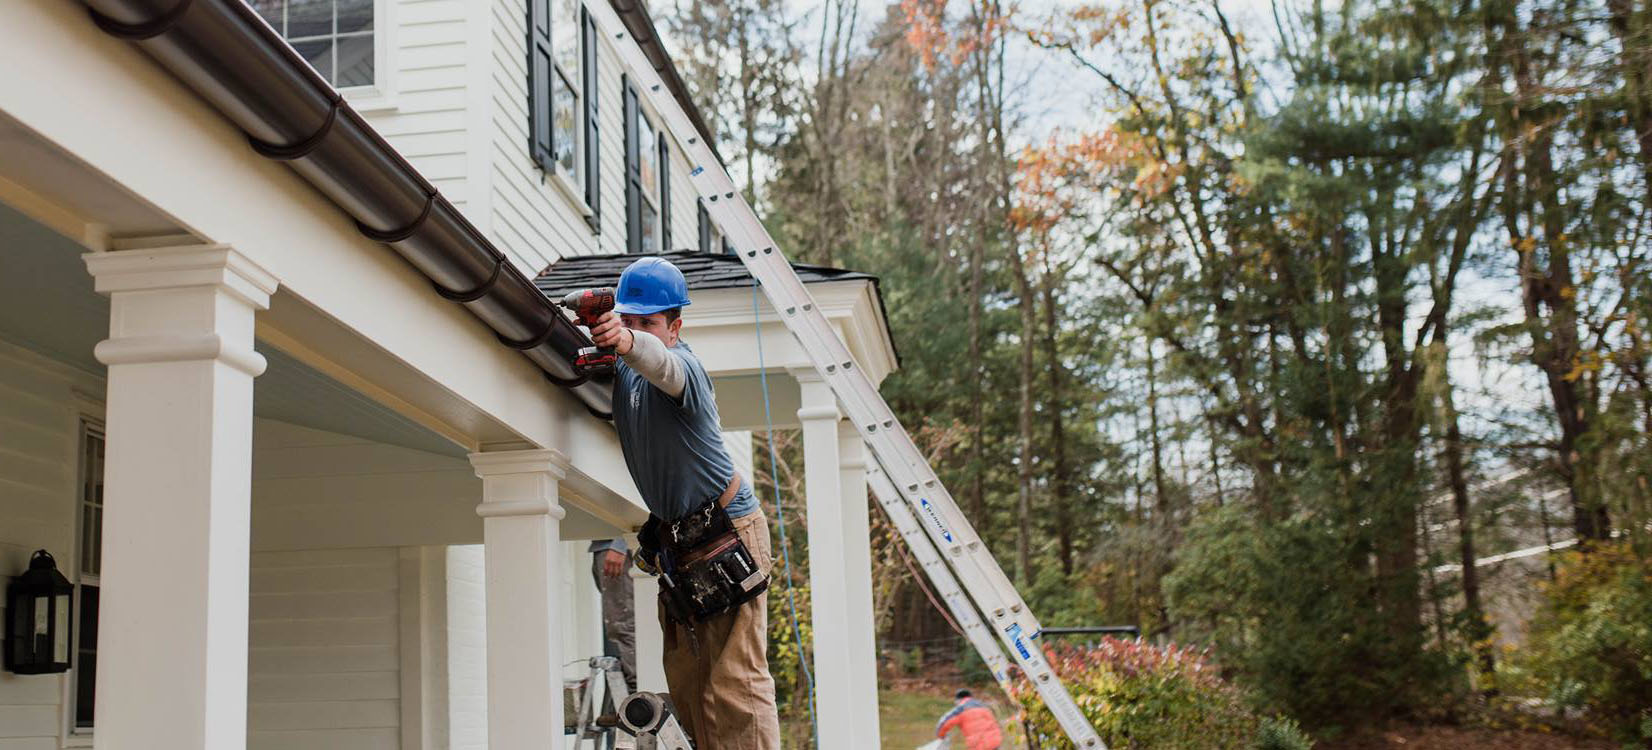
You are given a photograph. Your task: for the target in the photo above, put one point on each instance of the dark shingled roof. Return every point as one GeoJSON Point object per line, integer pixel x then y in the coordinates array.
{"type": "Point", "coordinates": [703, 271]}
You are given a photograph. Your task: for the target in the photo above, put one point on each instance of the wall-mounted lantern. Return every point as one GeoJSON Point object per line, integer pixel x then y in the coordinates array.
{"type": "Point", "coordinates": [37, 618]}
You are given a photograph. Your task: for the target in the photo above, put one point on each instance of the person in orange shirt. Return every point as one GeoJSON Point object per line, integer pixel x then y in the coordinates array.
{"type": "Point", "coordinates": [974, 720]}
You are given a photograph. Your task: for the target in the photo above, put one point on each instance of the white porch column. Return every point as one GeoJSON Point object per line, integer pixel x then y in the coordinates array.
{"type": "Point", "coordinates": [837, 705]}
{"type": "Point", "coordinates": [859, 618]}
{"type": "Point", "coordinates": [172, 650]}
{"type": "Point", "coordinates": [521, 534]}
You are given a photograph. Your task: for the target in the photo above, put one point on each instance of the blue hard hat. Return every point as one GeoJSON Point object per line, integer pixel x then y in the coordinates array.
{"type": "Point", "coordinates": [650, 285]}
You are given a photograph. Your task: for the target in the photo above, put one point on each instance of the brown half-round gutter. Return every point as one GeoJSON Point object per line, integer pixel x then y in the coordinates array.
{"type": "Point", "coordinates": [228, 55]}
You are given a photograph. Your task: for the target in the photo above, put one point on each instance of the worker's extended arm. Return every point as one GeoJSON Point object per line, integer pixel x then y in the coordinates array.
{"type": "Point", "coordinates": [652, 360]}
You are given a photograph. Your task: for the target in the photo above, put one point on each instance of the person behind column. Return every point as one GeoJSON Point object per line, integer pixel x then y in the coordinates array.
{"type": "Point", "coordinates": [665, 411]}
{"type": "Point", "coordinates": [610, 568]}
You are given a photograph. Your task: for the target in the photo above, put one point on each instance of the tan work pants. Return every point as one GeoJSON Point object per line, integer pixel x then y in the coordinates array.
{"type": "Point", "coordinates": [719, 679]}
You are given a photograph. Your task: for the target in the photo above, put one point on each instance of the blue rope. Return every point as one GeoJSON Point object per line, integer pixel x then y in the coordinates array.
{"type": "Point", "coordinates": [780, 510]}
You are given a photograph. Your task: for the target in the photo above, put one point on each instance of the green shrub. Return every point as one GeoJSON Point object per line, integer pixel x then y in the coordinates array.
{"type": "Point", "coordinates": [1590, 647]}
{"type": "Point", "coordinates": [1167, 698]}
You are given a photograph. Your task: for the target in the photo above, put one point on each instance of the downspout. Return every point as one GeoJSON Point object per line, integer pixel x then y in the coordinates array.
{"type": "Point", "coordinates": [225, 52]}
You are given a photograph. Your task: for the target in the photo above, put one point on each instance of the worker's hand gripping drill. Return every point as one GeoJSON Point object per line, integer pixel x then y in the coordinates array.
{"type": "Point", "coordinates": [593, 308]}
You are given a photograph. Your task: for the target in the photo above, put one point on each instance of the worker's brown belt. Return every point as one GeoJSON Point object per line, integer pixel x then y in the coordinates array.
{"type": "Point", "coordinates": [704, 568]}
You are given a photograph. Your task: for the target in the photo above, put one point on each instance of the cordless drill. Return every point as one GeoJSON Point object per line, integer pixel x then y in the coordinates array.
{"type": "Point", "coordinates": [589, 305]}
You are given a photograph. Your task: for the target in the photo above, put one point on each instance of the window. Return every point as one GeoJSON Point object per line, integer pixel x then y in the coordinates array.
{"type": "Point", "coordinates": [562, 110]}
{"type": "Point", "coordinates": [711, 236]}
{"type": "Point", "coordinates": [566, 88]}
{"type": "Point", "coordinates": [648, 180]}
{"type": "Point", "coordinates": [335, 36]}
{"type": "Point", "coordinates": [646, 138]}
{"type": "Point", "coordinates": [84, 670]}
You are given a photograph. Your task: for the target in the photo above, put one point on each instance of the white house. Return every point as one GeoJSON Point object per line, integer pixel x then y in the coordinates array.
{"type": "Point", "coordinates": [282, 392]}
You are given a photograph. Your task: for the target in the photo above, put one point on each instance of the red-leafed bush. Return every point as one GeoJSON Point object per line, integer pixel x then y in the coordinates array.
{"type": "Point", "coordinates": [1138, 695]}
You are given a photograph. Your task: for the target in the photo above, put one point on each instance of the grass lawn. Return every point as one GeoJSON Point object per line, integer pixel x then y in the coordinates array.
{"type": "Point", "coordinates": [907, 720]}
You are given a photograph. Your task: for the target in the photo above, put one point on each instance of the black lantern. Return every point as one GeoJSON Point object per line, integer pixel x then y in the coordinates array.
{"type": "Point", "coordinates": [37, 618]}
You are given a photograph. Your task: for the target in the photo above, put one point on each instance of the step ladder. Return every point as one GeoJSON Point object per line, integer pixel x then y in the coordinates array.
{"type": "Point", "coordinates": [905, 485]}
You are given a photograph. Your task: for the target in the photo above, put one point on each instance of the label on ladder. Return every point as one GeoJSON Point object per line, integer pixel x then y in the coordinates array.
{"type": "Point", "coordinates": [903, 467]}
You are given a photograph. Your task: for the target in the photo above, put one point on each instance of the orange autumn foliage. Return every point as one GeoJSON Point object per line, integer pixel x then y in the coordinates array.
{"type": "Point", "coordinates": [1052, 179]}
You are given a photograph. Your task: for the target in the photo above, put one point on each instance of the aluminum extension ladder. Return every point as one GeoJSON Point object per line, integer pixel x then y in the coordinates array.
{"type": "Point", "coordinates": [922, 509]}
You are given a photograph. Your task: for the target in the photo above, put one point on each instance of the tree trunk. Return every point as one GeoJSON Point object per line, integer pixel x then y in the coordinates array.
{"type": "Point", "coordinates": [1063, 500]}
{"type": "Point", "coordinates": [977, 443]}
{"type": "Point", "coordinates": [1161, 501]}
{"type": "Point", "coordinates": [1555, 342]}
{"type": "Point", "coordinates": [1029, 334]}
{"type": "Point", "coordinates": [1479, 630]}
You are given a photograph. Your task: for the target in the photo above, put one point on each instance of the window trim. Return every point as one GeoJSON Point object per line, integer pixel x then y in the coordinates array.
{"type": "Point", "coordinates": [380, 95]}
{"type": "Point", "coordinates": [88, 415]}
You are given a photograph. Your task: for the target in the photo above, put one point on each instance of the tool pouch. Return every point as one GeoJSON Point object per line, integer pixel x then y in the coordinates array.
{"type": "Point", "coordinates": [705, 569]}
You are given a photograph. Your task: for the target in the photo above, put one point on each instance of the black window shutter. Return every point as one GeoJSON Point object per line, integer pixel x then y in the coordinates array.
{"type": "Point", "coordinates": [728, 249]}
{"type": "Point", "coordinates": [705, 226]}
{"type": "Point", "coordinates": [593, 150]}
{"type": "Point", "coordinates": [633, 172]}
{"type": "Point", "coordinates": [539, 83]}
{"type": "Point", "coordinates": [665, 196]}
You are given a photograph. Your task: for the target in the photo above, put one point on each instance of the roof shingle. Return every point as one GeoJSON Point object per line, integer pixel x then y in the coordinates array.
{"type": "Point", "coordinates": [703, 271]}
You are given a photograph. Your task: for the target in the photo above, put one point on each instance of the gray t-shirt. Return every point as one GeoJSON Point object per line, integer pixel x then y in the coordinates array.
{"type": "Point", "coordinates": [674, 447]}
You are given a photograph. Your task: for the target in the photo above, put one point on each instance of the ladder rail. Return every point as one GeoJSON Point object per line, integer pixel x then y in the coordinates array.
{"type": "Point", "coordinates": [957, 602]}
{"type": "Point", "coordinates": [901, 464]}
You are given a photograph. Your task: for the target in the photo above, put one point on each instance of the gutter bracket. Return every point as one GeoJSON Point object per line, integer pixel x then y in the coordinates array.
{"type": "Point", "coordinates": [302, 148]}
{"type": "Point", "coordinates": [393, 236]}
{"type": "Point", "coordinates": [137, 32]}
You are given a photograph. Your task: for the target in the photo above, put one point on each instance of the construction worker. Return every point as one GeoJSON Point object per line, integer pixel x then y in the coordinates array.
{"type": "Point", "coordinates": [972, 718]}
{"type": "Point", "coordinates": [716, 662]}
{"type": "Point", "coordinates": [610, 566]}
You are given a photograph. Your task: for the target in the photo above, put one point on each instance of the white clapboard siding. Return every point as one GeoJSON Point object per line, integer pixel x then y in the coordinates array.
{"type": "Point", "coordinates": [467, 648]}
{"type": "Point", "coordinates": [473, 145]}
{"type": "Point", "coordinates": [427, 121]}
{"type": "Point", "coordinates": [531, 219]}
{"type": "Point", "coordinates": [324, 661]}
{"type": "Point", "coordinates": [39, 435]}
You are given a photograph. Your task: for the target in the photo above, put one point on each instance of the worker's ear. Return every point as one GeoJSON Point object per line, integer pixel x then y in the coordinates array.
{"type": "Point", "coordinates": [675, 327]}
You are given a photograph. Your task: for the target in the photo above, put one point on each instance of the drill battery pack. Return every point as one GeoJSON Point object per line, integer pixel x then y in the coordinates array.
{"type": "Point", "coordinates": [705, 569]}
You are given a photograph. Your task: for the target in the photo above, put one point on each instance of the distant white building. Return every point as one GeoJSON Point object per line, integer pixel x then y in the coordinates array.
{"type": "Point", "coordinates": [279, 392]}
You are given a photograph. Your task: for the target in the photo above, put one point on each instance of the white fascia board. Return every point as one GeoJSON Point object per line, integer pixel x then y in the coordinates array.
{"type": "Point", "coordinates": [173, 151]}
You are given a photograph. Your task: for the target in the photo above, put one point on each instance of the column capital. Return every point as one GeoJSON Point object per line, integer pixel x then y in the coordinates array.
{"type": "Point", "coordinates": [153, 269]}
{"type": "Point", "coordinates": [818, 401]}
{"type": "Point", "coordinates": [805, 375]}
{"type": "Point", "coordinates": [520, 483]}
{"type": "Point", "coordinates": [529, 461]}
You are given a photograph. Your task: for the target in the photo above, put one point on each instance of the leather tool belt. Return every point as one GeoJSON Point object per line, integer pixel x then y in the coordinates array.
{"type": "Point", "coordinates": [704, 567]}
